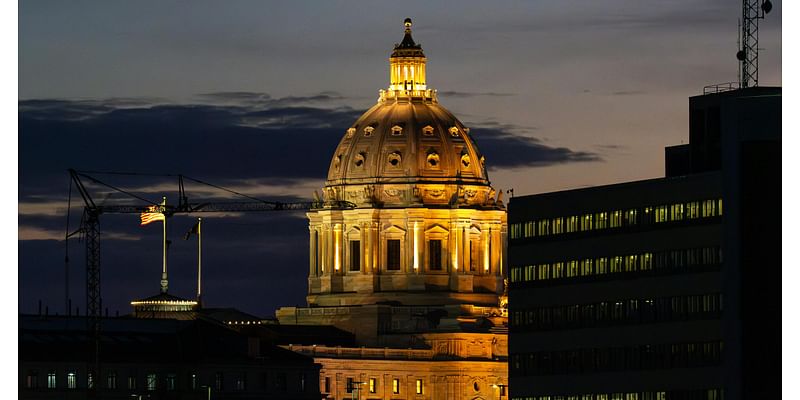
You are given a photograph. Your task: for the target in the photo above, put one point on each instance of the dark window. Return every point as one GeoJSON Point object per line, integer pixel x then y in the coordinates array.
{"type": "Point", "coordinates": [280, 381]}
{"type": "Point", "coordinates": [355, 255]}
{"type": "Point", "coordinates": [327, 385]}
{"type": "Point", "coordinates": [152, 381]}
{"type": "Point", "coordinates": [193, 381]}
{"type": "Point", "coordinates": [33, 380]}
{"type": "Point", "coordinates": [132, 382]}
{"type": "Point", "coordinates": [473, 257]}
{"type": "Point", "coordinates": [349, 387]}
{"type": "Point", "coordinates": [111, 380]}
{"type": "Point", "coordinates": [218, 380]}
{"type": "Point", "coordinates": [302, 382]}
{"type": "Point", "coordinates": [240, 383]}
{"type": "Point", "coordinates": [393, 254]}
{"type": "Point", "coordinates": [170, 382]}
{"type": "Point", "coordinates": [435, 255]}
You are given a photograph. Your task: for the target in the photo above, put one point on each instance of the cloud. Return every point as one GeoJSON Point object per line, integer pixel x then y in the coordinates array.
{"type": "Point", "coordinates": [505, 146]}
{"type": "Point", "coordinates": [627, 92]}
{"type": "Point", "coordinates": [269, 148]}
{"type": "Point", "coordinates": [453, 93]}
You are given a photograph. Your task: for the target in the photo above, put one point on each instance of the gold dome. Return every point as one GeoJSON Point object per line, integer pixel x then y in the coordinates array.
{"type": "Point", "coordinates": [408, 149]}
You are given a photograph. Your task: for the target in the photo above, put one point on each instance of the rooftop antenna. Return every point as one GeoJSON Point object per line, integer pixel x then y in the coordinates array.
{"type": "Point", "coordinates": [752, 11]}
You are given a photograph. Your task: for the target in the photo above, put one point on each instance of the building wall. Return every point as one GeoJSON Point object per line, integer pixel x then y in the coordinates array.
{"type": "Point", "coordinates": [619, 306]}
{"type": "Point", "coordinates": [472, 248]}
{"type": "Point", "coordinates": [438, 378]}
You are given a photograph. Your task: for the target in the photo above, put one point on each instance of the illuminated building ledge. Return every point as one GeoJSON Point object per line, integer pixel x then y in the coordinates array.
{"type": "Point", "coordinates": [158, 305]}
{"type": "Point", "coordinates": [376, 353]}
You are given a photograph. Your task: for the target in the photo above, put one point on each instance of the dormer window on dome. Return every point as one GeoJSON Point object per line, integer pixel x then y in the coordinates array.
{"type": "Point", "coordinates": [368, 131]}
{"type": "Point", "coordinates": [397, 130]}
{"type": "Point", "coordinates": [351, 132]}
{"type": "Point", "coordinates": [427, 130]}
{"type": "Point", "coordinates": [453, 131]}
{"type": "Point", "coordinates": [395, 159]}
{"type": "Point", "coordinates": [433, 159]}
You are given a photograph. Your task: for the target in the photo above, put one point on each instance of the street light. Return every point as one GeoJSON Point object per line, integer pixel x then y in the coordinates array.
{"type": "Point", "coordinates": [209, 391]}
{"type": "Point", "coordinates": [500, 387]}
{"type": "Point", "coordinates": [354, 393]}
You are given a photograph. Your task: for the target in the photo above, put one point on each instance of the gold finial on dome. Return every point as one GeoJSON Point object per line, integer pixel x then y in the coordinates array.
{"type": "Point", "coordinates": [407, 24]}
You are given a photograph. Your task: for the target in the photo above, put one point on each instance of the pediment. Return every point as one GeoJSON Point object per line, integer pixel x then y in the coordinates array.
{"type": "Point", "coordinates": [436, 228]}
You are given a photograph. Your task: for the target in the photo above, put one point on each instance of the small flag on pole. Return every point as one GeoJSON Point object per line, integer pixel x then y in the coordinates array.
{"type": "Point", "coordinates": [152, 215]}
{"type": "Point", "coordinates": [193, 231]}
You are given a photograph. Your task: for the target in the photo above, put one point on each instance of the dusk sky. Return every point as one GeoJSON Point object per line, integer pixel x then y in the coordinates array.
{"type": "Point", "coordinates": [254, 96]}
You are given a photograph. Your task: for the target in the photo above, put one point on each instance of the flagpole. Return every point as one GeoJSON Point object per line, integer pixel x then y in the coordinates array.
{"type": "Point", "coordinates": [164, 280]}
{"type": "Point", "coordinates": [199, 260]}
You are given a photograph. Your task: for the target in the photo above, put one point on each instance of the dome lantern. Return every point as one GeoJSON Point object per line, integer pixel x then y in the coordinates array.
{"type": "Point", "coordinates": [407, 67]}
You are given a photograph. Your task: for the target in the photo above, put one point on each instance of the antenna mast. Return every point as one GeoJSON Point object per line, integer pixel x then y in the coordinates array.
{"type": "Point", "coordinates": [752, 11]}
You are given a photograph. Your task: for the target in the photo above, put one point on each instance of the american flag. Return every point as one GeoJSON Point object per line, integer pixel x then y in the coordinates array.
{"type": "Point", "coordinates": [151, 216]}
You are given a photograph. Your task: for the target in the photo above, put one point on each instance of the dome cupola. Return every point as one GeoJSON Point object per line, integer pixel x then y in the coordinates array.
{"type": "Point", "coordinates": [408, 150]}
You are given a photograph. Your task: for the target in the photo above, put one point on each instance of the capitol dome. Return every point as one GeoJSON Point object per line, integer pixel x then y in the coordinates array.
{"type": "Point", "coordinates": [408, 149]}
{"type": "Point", "coordinates": [409, 216]}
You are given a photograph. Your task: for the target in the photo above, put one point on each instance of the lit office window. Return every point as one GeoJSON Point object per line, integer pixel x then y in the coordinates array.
{"type": "Point", "coordinates": [646, 260]}
{"type": "Point", "coordinates": [709, 208]}
{"type": "Point", "coordinates": [89, 380]}
{"type": "Point", "coordinates": [616, 264]}
{"type": "Point", "coordinates": [544, 227]}
{"type": "Point", "coordinates": [132, 382]}
{"type": "Point", "coordinates": [51, 380]}
{"type": "Point", "coordinates": [557, 270]}
{"type": "Point", "coordinates": [572, 269]}
{"type": "Point", "coordinates": [631, 263]}
{"type": "Point", "coordinates": [529, 231]}
{"type": "Point", "coordinates": [557, 225]}
{"type": "Point", "coordinates": [393, 254]}
{"type": "Point", "coordinates": [661, 214]}
{"type": "Point", "coordinates": [631, 217]}
{"type": "Point", "coordinates": [396, 386]}
{"type": "Point", "coordinates": [515, 231]}
{"type": "Point", "coordinates": [72, 380]}
{"type": "Point", "coordinates": [152, 381]}
{"type": "Point", "coordinates": [601, 266]}
{"type": "Point", "coordinates": [693, 209]}
{"type": "Point", "coordinates": [572, 223]}
{"type": "Point", "coordinates": [373, 385]}
{"type": "Point", "coordinates": [616, 219]}
{"type": "Point", "coordinates": [587, 267]}
{"type": "Point", "coordinates": [355, 255]}
{"type": "Point", "coordinates": [586, 222]}
{"type": "Point", "coordinates": [601, 220]}
{"type": "Point", "coordinates": [419, 386]}
{"type": "Point", "coordinates": [676, 212]}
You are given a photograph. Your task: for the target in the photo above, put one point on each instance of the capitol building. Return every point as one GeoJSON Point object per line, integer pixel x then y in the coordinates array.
{"type": "Point", "coordinates": [415, 267]}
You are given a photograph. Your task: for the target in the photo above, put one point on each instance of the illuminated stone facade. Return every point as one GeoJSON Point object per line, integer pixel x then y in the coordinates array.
{"type": "Point", "coordinates": [417, 265]}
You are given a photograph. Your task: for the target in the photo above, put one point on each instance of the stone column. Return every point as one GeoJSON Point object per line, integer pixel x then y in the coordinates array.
{"type": "Point", "coordinates": [312, 252]}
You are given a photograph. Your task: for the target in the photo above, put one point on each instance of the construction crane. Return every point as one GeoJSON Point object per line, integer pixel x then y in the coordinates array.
{"type": "Point", "coordinates": [90, 229]}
